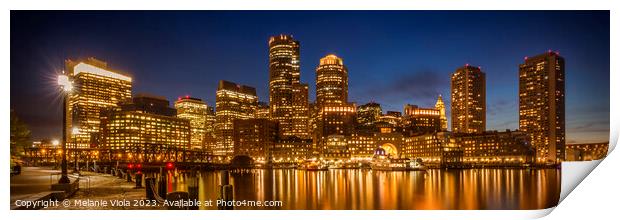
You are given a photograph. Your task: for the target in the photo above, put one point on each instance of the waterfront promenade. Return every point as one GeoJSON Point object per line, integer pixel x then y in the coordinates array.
{"type": "Point", "coordinates": [96, 187]}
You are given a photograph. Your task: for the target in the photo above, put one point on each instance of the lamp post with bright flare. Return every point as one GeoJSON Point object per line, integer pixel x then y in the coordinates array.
{"type": "Point", "coordinates": [66, 86]}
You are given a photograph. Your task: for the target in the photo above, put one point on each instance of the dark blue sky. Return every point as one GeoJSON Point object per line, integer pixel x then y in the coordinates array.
{"type": "Point", "coordinates": [393, 57]}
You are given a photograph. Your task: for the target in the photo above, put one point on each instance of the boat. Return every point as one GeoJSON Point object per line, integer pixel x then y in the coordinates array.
{"type": "Point", "coordinates": [384, 162]}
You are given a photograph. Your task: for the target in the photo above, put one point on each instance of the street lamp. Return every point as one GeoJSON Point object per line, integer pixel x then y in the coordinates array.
{"type": "Point", "coordinates": [66, 86]}
{"type": "Point", "coordinates": [75, 131]}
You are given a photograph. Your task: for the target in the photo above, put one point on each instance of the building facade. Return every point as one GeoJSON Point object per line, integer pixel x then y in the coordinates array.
{"type": "Point", "coordinates": [194, 110]}
{"type": "Point", "coordinates": [441, 107]}
{"type": "Point", "coordinates": [541, 105]}
{"type": "Point", "coordinates": [421, 120]}
{"type": "Point", "coordinates": [146, 122]}
{"type": "Point", "coordinates": [468, 95]}
{"type": "Point", "coordinates": [255, 138]}
{"type": "Point", "coordinates": [332, 81]}
{"type": "Point", "coordinates": [262, 111]}
{"type": "Point", "coordinates": [300, 112]}
{"type": "Point", "coordinates": [368, 114]}
{"type": "Point", "coordinates": [493, 148]}
{"type": "Point", "coordinates": [95, 87]}
{"type": "Point", "coordinates": [288, 98]}
{"type": "Point", "coordinates": [292, 149]}
{"type": "Point", "coordinates": [232, 102]}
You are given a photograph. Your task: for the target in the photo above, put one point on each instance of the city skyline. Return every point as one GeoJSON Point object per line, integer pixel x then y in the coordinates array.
{"type": "Point", "coordinates": [420, 88]}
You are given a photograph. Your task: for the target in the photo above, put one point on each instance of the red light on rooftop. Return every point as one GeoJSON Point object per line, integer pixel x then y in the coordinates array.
{"type": "Point", "coordinates": [525, 58]}
{"type": "Point", "coordinates": [187, 96]}
{"type": "Point", "coordinates": [467, 64]}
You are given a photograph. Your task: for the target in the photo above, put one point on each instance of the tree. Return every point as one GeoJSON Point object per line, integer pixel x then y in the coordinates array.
{"type": "Point", "coordinates": [20, 135]}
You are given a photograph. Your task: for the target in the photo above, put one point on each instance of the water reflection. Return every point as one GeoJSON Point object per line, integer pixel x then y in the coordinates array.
{"type": "Point", "coordinates": [366, 189]}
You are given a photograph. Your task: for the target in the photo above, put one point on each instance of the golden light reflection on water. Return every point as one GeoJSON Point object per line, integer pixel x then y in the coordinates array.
{"type": "Point", "coordinates": [367, 189]}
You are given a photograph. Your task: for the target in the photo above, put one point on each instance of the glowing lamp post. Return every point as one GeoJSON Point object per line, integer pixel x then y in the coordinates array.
{"type": "Point", "coordinates": [66, 86]}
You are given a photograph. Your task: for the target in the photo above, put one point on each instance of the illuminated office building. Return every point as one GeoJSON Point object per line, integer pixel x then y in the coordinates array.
{"type": "Point", "coordinates": [334, 119]}
{"type": "Point", "coordinates": [368, 114]}
{"type": "Point", "coordinates": [541, 105]}
{"type": "Point", "coordinates": [439, 105]}
{"type": "Point", "coordinates": [291, 149]}
{"type": "Point", "coordinates": [262, 111]}
{"type": "Point", "coordinates": [300, 112]}
{"type": "Point", "coordinates": [435, 149]}
{"type": "Point", "coordinates": [232, 102]}
{"type": "Point", "coordinates": [288, 98]}
{"type": "Point", "coordinates": [95, 87]}
{"type": "Point", "coordinates": [143, 123]}
{"type": "Point", "coordinates": [468, 100]}
{"type": "Point", "coordinates": [210, 139]}
{"type": "Point", "coordinates": [194, 110]}
{"type": "Point", "coordinates": [361, 146]}
{"type": "Point", "coordinates": [332, 83]}
{"type": "Point", "coordinates": [336, 149]}
{"type": "Point", "coordinates": [421, 120]}
{"type": "Point", "coordinates": [255, 138]}
{"type": "Point", "coordinates": [493, 148]}
{"type": "Point", "coordinates": [393, 118]}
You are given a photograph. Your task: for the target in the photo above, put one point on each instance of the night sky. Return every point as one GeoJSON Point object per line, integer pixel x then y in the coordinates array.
{"type": "Point", "coordinates": [393, 57]}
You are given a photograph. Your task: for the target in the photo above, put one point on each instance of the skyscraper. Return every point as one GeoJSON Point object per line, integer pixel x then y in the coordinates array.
{"type": "Point", "coordinates": [194, 110]}
{"type": "Point", "coordinates": [95, 87]}
{"type": "Point", "coordinates": [300, 111]}
{"type": "Point", "coordinates": [283, 75]}
{"type": "Point", "coordinates": [232, 102]}
{"type": "Point", "coordinates": [332, 81]}
{"type": "Point", "coordinates": [541, 105]}
{"type": "Point", "coordinates": [335, 115]}
{"type": "Point", "coordinates": [468, 100]}
{"type": "Point", "coordinates": [442, 113]}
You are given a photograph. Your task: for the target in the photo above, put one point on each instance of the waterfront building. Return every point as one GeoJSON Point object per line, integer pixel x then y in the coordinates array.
{"type": "Point", "coordinates": [146, 122]}
{"type": "Point", "coordinates": [255, 138]}
{"type": "Point", "coordinates": [292, 149]}
{"type": "Point", "coordinates": [421, 120]}
{"type": "Point", "coordinates": [468, 94]}
{"type": "Point", "coordinates": [541, 105]}
{"type": "Point", "coordinates": [232, 102]}
{"type": "Point", "coordinates": [493, 148]}
{"type": "Point", "coordinates": [361, 146]}
{"type": "Point", "coordinates": [435, 150]}
{"type": "Point", "coordinates": [439, 105]}
{"type": "Point", "coordinates": [332, 83]}
{"type": "Point", "coordinates": [95, 87]}
{"type": "Point", "coordinates": [288, 98]}
{"type": "Point", "coordinates": [194, 110]}
{"type": "Point", "coordinates": [586, 151]}
{"type": "Point", "coordinates": [336, 149]}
